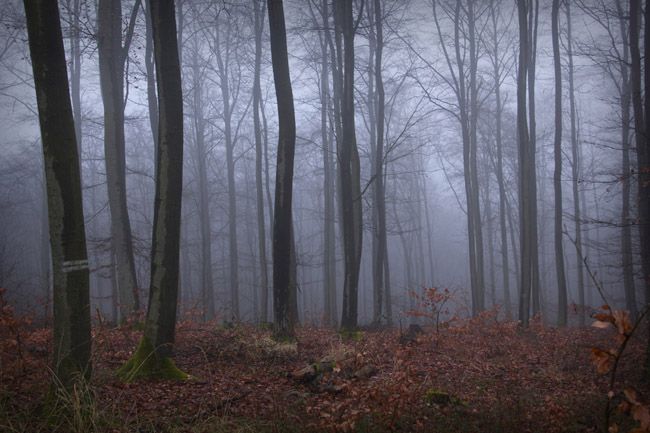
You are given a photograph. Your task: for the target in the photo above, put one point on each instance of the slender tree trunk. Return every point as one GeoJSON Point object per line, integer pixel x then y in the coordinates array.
{"type": "Point", "coordinates": [349, 170]}
{"type": "Point", "coordinates": [557, 174]}
{"type": "Point", "coordinates": [259, 180]}
{"type": "Point", "coordinates": [72, 339]}
{"type": "Point", "coordinates": [207, 284]}
{"type": "Point", "coordinates": [496, 64]}
{"type": "Point", "coordinates": [282, 222]}
{"type": "Point", "coordinates": [575, 174]}
{"type": "Point", "coordinates": [524, 149]}
{"type": "Point", "coordinates": [532, 55]}
{"type": "Point", "coordinates": [112, 58]}
{"type": "Point", "coordinates": [479, 289]}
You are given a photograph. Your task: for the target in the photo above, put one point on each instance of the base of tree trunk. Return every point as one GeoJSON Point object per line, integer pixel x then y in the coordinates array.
{"type": "Point", "coordinates": [144, 364]}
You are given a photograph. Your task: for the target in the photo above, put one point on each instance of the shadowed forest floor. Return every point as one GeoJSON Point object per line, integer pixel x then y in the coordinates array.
{"type": "Point", "coordinates": [476, 376]}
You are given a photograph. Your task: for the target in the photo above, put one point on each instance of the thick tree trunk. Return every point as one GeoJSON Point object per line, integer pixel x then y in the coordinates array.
{"type": "Point", "coordinates": [153, 356]}
{"type": "Point", "coordinates": [642, 140]}
{"type": "Point", "coordinates": [72, 339]}
{"type": "Point", "coordinates": [557, 174]}
{"type": "Point", "coordinates": [282, 221]}
{"type": "Point", "coordinates": [112, 57]}
{"type": "Point", "coordinates": [152, 101]}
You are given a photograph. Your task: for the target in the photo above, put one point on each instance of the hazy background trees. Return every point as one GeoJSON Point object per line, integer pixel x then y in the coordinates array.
{"type": "Point", "coordinates": [429, 92]}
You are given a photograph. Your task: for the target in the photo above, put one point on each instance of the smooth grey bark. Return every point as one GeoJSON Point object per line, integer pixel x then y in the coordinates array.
{"type": "Point", "coordinates": [575, 170]}
{"type": "Point", "coordinates": [378, 172]}
{"type": "Point", "coordinates": [527, 178]}
{"type": "Point", "coordinates": [478, 290]}
{"type": "Point", "coordinates": [72, 339]}
{"type": "Point", "coordinates": [198, 123]}
{"type": "Point", "coordinates": [626, 223]}
{"type": "Point", "coordinates": [259, 179]}
{"type": "Point", "coordinates": [557, 173]}
{"type": "Point", "coordinates": [45, 260]}
{"type": "Point", "coordinates": [282, 220]}
{"type": "Point", "coordinates": [349, 169]}
{"type": "Point", "coordinates": [497, 66]}
{"type": "Point", "coordinates": [229, 102]}
{"type": "Point", "coordinates": [465, 87]}
{"type": "Point", "coordinates": [533, 15]}
{"type": "Point", "coordinates": [112, 58]}
{"type": "Point", "coordinates": [163, 293]}
{"type": "Point", "coordinates": [329, 234]}
{"type": "Point", "coordinates": [152, 100]}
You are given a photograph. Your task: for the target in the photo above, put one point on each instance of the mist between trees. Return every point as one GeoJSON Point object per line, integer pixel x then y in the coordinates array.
{"type": "Point", "coordinates": [325, 171]}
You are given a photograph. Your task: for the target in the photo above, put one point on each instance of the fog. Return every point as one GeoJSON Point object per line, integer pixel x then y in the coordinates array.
{"type": "Point", "coordinates": [427, 205]}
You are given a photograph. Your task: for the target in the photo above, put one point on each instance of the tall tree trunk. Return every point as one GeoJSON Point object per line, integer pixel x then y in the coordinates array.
{"type": "Point", "coordinates": [626, 221]}
{"type": "Point", "coordinates": [207, 284]}
{"type": "Point", "coordinates": [526, 218]}
{"type": "Point", "coordinates": [575, 174]}
{"type": "Point", "coordinates": [223, 63]}
{"type": "Point", "coordinates": [153, 356]}
{"type": "Point", "coordinates": [152, 101]}
{"type": "Point", "coordinates": [479, 287]}
{"type": "Point", "coordinates": [112, 58]}
{"type": "Point", "coordinates": [259, 180]}
{"type": "Point", "coordinates": [282, 221]}
{"type": "Point", "coordinates": [72, 339]}
{"type": "Point", "coordinates": [329, 234]}
{"type": "Point", "coordinates": [533, 15]}
{"type": "Point", "coordinates": [497, 71]}
{"type": "Point", "coordinates": [557, 174]}
{"type": "Point", "coordinates": [349, 171]}
{"type": "Point", "coordinates": [642, 140]}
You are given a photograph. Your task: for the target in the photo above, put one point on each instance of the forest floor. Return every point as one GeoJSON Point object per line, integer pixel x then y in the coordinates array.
{"type": "Point", "coordinates": [479, 375]}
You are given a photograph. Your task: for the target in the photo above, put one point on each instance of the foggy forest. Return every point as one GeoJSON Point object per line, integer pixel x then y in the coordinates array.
{"type": "Point", "coordinates": [324, 215]}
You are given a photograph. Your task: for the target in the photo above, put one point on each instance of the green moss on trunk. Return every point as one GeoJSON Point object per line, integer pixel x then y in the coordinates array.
{"type": "Point", "coordinates": [144, 364]}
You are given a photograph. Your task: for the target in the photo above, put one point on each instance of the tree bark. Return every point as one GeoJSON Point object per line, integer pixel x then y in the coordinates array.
{"type": "Point", "coordinates": [259, 179]}
{"type": "Point", "coordinates": [557, 173]}
{"type": "Point", "coordinates": [575, 172]}
{"type": "Point", "coordinates": [112, 57]}
{"type": "Point", "coordinates": [282, 221]}
{"type": "Point", "coordinates": [153, 356]}
{"type": "Point", "coordinates": [349, 171]}
{"type": "Point", "coordinates": [72, 339]}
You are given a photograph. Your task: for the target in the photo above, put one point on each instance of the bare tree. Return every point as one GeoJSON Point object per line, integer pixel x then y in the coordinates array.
{"type": "Point", "coordinates": [112, 59]}
{"type": "Point", "coordinates": [282, 222]}
{"type": "Point", "coordinates": [153, 355]}
{"type": "Point", "coordinates": [72, 339]}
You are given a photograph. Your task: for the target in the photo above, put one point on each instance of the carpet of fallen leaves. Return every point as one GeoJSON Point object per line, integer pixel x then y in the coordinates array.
{"type": "Point", "coordinates": [480, 375]}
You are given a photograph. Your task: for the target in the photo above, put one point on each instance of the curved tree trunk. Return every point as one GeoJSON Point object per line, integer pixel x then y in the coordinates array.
{"type": "Point", "coordinates": [282, 221]}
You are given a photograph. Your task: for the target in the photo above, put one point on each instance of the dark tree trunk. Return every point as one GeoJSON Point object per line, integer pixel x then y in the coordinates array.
{"type": "Point", "coordinates": [72, 339]}
{"type": "Point", "coordinates": [153, 356]}
{"type": "Point", "coordinates": [282, 220]}
{"type": "Point", "coordinates": [349, 170]}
